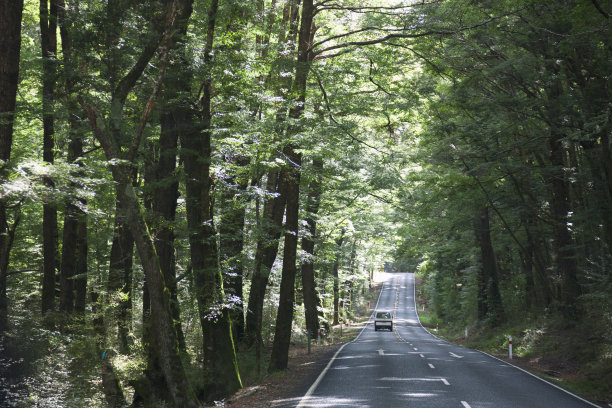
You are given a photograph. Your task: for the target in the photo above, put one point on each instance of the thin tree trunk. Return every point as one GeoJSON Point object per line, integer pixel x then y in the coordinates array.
{"type": "Point", "coordinates": [311, 296]}
{"type": "Point", "coordinates": [165, 195]}
{"type": "Point", "coordinates": [336, 277]}
{"type": "Point", "coordinates": [490, 304]}
{"type": "Point", "coordinates": [564, 246]}
{"type": "Point", "coordinates": [284, 317]}
{"type": "Point", "coordinates": [80, 283]}
{"type": "Point", "coordinates": [48, 31]}
{"type": "Point", "coordinates": [265, 254]}
{"type": "Point", "coordinates": [74, 241]}
{"type": "Point", "coordinates": [120, 270]}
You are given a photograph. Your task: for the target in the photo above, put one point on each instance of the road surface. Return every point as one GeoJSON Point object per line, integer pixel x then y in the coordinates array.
{"type": "Point", "coordinates": [409, 367]}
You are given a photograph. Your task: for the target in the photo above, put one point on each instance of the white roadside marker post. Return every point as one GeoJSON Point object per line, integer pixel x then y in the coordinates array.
{"type": "Point", "coordinates": [510, 347]}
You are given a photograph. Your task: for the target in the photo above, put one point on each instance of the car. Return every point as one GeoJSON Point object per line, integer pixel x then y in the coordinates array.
{"type": "Point", "coordinates": [383, 320]}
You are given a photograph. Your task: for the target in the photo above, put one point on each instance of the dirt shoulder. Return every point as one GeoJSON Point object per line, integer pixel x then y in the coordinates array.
{"type": "Point", "coordinates": [303, 368]}
{"type": "Point", "coordinates": [289, 384]}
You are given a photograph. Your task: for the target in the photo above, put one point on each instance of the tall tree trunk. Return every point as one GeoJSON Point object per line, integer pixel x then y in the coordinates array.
{"type": "Point", "coordinates": [74, 240]}
{"type": "Point", "coordinates": [80, 282]}
{"type": "Point", "coordinates": [311, 296]}
{"type": "Point", "coordinates": [74, 245]}
{"type": "Point", "coordinates": [351, 283]}
{"type": "Point", "coordinates": [219, 353]}
{"type": "Point", "coordinates": [565, 250]}
{"type": "Point", "coordinates": [165, 196]}
{"type": "Point", "coordinates": [265, 254]}
{"type": "Point", "coordinates": [273, 211]}
{"type": "Point", "coordinates": [489, 301]}
{"type": "Point", "coordinates": [48, 33]}
{"type": "Point", "coordinates": [336, 277]}
{"type": "Point", "coordinates": [120, 275]}
{"type": "Point", "coordinates": [10, 47]}
{"type": "Point", "coordinates": [162, 187]}
{"type": "Point", "coordinates": [284, 318]}
{"type": "Point", "coordinates": [162, 326]}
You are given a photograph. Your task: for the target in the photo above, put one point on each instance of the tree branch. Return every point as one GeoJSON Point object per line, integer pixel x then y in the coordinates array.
{"type": "Point", "coordinates": [162, 71]}
{"type": "Point", "coordinates": [108, 145]}
{"type": "Point", "coordinates": [391, 10]}
{"type": "Point", "coordinates": [600, 9]}
{"type": "Point", "coordinates": [331, 117]}
{"type": "Point", "coordinates": [402, 34]}
{"type": "Point", "coordinates": [21, 271]}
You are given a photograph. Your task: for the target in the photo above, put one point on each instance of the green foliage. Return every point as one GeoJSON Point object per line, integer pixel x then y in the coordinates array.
{"type": "Point", "coordinates": [417, 133]}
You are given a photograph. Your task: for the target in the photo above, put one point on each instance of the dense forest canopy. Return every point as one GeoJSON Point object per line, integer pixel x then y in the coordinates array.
{"type": "Point", "coordinates": [188, 186]}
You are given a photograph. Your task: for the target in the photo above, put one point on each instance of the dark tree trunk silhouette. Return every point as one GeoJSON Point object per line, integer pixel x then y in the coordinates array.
{"type": "Point", "coordinates": [74, 235]}
{"type": "Point", "coordinates": [48, 33]}
{"type": "Point", "coordinates": [489, 299]}
{"type": "Point", "coordinates": [265, 254]}
{"type": "Point", "coordinates": [284, 319]}
{"type": "Point", "coordinates": [336, 277]}
{"type": "Point", "coordinates": [10, 47]}
{"type": "Point", "coordinates": [222, 377]}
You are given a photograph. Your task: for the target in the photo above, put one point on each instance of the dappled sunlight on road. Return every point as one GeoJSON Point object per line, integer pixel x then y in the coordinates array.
{"type": "Point", "coordinates": [420, 395]}
{"type": "Point", "coordinates": [424, 379]}
{"type": "Point", "coordinates": [335, 402]}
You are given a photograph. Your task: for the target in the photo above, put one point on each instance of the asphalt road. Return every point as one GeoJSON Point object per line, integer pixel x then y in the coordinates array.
{"type": "Point", "coordinates": [409, 367]}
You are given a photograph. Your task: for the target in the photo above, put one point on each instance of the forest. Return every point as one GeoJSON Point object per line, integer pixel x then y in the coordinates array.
{"type": "Point", "coordinates": [190, 187]}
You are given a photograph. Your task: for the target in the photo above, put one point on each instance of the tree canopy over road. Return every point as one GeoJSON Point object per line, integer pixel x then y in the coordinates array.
{"type": "Point", "coordinates": [189, 186]}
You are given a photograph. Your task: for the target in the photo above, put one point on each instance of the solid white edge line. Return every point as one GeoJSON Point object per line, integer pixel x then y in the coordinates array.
{"type": "Point", "coordinates": [499, 359]}
{"type": "Point", "coordinates": [304, 400]}
{"type": "Point", "coordinates": [313, 387]}
{"type": "Point", "coordinates": [543, 380]}
{"type": "Point", "coordinates": [465, 404]}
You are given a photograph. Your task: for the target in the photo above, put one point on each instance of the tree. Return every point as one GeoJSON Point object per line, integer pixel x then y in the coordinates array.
{"type": "Point", "coordinates": [291, 180]}
{"type": "Point", "coordinates": [10, 47]}
{"type": "Point", "coordinates": [48, 32]}
{"type": "Point", "coordinates": [311, 297]}
{"type": "Point", "coordinates": [114, 142]}
{"type": "Point", "coordinates": [219, 352]}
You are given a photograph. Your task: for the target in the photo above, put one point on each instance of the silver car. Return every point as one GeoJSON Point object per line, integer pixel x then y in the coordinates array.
{"type": "Point", "coordinates": [383, 320]}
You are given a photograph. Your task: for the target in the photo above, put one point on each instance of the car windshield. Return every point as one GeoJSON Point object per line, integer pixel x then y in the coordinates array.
{"type": "Point", "coordinates": [383, 315]}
